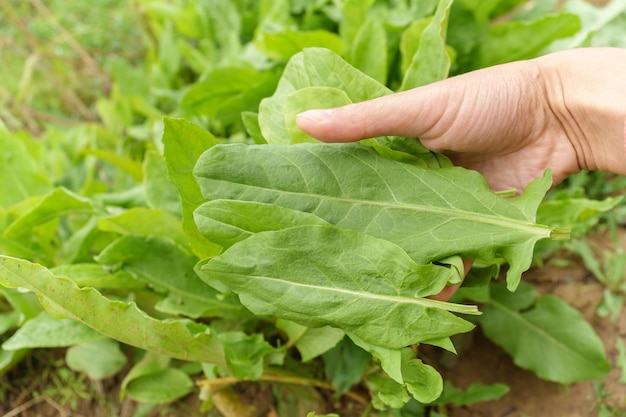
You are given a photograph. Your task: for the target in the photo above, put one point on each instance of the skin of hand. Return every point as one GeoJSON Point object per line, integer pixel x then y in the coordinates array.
{"type": "Point", "coordinates": [565, 111]}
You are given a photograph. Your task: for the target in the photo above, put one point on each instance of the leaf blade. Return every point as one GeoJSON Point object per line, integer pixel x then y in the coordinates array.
{"type": "Point", "coordinates": [363, 285]}
{"type": "Point", "coordinates": [538, 340]}
{"type": "Point", "coordinates": [63, 298]}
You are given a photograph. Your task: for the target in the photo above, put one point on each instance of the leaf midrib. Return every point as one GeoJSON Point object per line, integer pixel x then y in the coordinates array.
{"type": "Point", "coordinates": [424, 302]}
{"type": "Point", "coordinates": [456, 213]}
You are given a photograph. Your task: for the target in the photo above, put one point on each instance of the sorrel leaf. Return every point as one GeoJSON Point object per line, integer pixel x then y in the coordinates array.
{"type": "Point", "coordinates": [552, 338]}
{"type": "Point", "coordinates": [313, 67]}
{"type": "Point", "coordinates": [57, 203]}
{"type": "Point", "coordinates": [183, 143]}
{"type": "Point", "coordinates": [46, 331]}
{"type": "Point", "coordinates": [431, 60]}
{"type": "Point", "coordinates": [21, 175]}
{"type": "Point", "coordinates": [431, 214]}
{"type": "Point", "coordinates": [119, 320]}
{"type": "Point", "coordinates": [99, 359]}
{"type": "Point", "coordinates": [310, 98]}
{"type": "Point", "coordinates": [515, 40]}
{"type": "Point", "coordinates": [342, 278]}
{"type": "Point", "coordinates": [310, 342]}
{"type": "Point", "coordinates": [227, 222]}
{"type": "Point", "coordinates": [168, 268]}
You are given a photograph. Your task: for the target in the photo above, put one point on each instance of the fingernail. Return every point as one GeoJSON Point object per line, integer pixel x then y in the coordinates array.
{"type": "Point", "coordinates": [316, 116]}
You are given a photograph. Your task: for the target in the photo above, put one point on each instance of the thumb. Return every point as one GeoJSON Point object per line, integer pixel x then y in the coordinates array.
{"type": "Point", "coordinates": [409, 113]}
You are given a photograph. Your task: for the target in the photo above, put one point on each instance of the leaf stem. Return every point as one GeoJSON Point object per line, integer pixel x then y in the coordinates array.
{"type": "Point", "coordinates": [560, 233]}
{"type": "Point", "coordinates": [277, 376]}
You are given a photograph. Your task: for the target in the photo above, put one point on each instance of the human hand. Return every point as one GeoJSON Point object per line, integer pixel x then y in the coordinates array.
{"type": "Point", "coordinates": [563, 111]}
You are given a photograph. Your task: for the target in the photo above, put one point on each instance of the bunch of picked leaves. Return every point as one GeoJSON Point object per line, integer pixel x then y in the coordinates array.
{"type": "Point", "coordinates": [356, 236]}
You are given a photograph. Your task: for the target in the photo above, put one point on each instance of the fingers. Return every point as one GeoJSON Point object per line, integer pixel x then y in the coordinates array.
{"type": "Point", "coordinates": [471, 112]}
{"type": "Point", "coordinates": [409, 113]}
{"type": "Point", "coordinates": [450, 290]}
{"type": "Point", "coordinates": [446, 293]}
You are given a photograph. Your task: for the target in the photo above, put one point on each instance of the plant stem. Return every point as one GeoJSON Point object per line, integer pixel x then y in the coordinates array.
{"type": "Point", "coordinates": [272, 376]}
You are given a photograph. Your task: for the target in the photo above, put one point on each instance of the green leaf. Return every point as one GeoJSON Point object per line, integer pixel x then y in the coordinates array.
{"type": "Point", "coordinates": [167, 267]}
{"type": "Point", "coordinates": [228, 91]}
{"type": "Point", "coordinates": [483, 10]}
{"type": "Point", "coordinates": [576, 212]}
{"type": "Point", "coordinates": [281, 46]}
{"type": "Point", "coordinates": [251, 122]}
{"type": "Point", "coordinates": [168, 51]}
{"type": "Point", "coordinates": [59, 202]}
{"type": "Point", "coordinates": [611, 305]}
{"type": "Point", "coordinates": [47, 331]}
{"type": "Point", "coordinates": [351, 186]}
{"type": "Point", "coordinates": [620, 347]}
{"type": "Point", "coordinates": [601, 26]}
{"type": "Point", "coordinates": [475, 393]}
{"type": "Point", "coordinates": [129, 79]}
{"type": "Point", "coordinates": [9, 321]}
{"type": "Point", "coordinates": [310, 98]}
{"type": "Point", "coordinates": [162, 387]}
{"type": "Point", "coordinates": [10, 358]}
{"type": "Point", "coordinates": [150, 363]}
{"type": "Point", "coordinates": [119, 320]}
{"type": "Point", "coordinates": [23, 302]}
{"type": "Point", "coordinates": [309, 68]}
{"type": "Point", "coordinates": [422, 381]}
{"type": "Point", "coordinates": [227, 222]}
{"type": "Point", "coordinates": [95, 275]}
{"type": "Point", "coordinates": [275, 15]}
{"type": "Point", "coordinates": [184, 143]}
{"type": "Point", "coordinates": [345, 365]}
{"type": "Point", "coordinates": [386, 392]}
{"type": "Point", "coordinates": [143, 221]}
{"type": "Point", "coordinates": [368, 51]}
{"type": "Point", "coordinates": [409, 150]}
{"type": "Point", "coordinates": [552, 338]}
{"type": "Point", "coordinates": [410, 42]}
{"type": "Point", "coordinates": [245, 354]}
{"type": "Point", "coordinates": [21, 175]}
{"type": "Point", "coordinates": [79, 246]}
{"type": "Point", "coordinates": [516, 40]}
{"type": "Point", "coordinates": [430, 61]}
{"type": "Point", "coordinates": [224, 23]}
{"type": "Point", "coordinates": [355, 13]}
{"type": "Point", "coordinates": [350, 280]}
{"type": "Point", "coordinates": [122, 162]}
{"type": "Point", "coordinates": [99, 359]}
{"type": "Point", "coordinates": [310, 342]}
{"type": "Point", "coordinates": [160, 192]}
{"type": "Point", "coordinates": [390, 359]}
